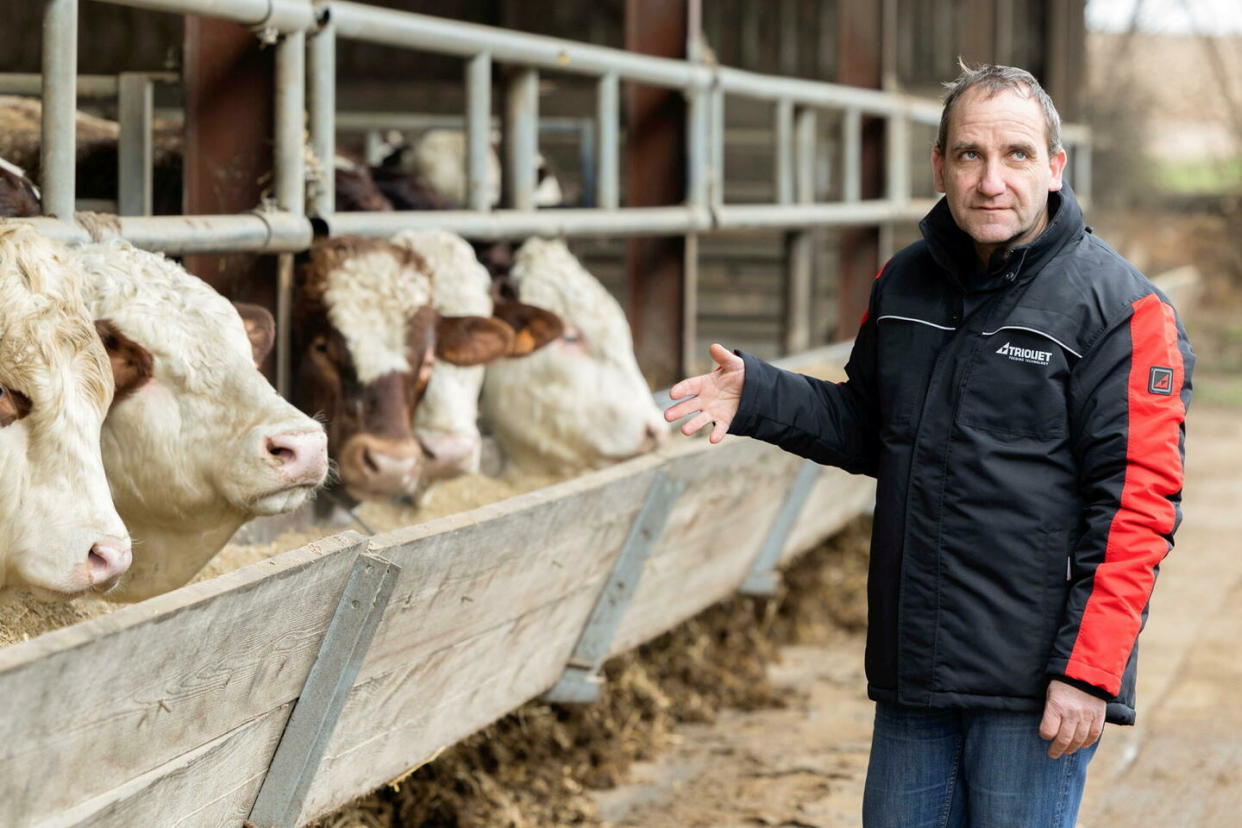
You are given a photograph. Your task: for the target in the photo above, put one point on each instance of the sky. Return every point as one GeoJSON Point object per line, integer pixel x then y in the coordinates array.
{"type": "Point", "coordinates": [1167, 16]}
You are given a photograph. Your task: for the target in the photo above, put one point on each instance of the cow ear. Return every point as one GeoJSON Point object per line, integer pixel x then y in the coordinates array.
{"type": "Point", "coordinates": [532, 327]}
{"type": "Point", "coordinates": [260, 328]}
{"type": "Point", "coordinates": [132, 364]}
{"type": "Point", "coordinates": [472, 340]}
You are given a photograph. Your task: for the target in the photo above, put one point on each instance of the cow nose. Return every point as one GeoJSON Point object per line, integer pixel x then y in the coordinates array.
{"type": "Point", "coordinates": [108, 560]}
{"type": "Point", "coordinates": [376, 467]}
{"type": "Point", "coordinates": [448, 454]}
{"type": "Point", "coordinates": [653, 438]}
{"type": "Point", "coordinates": [301, 456]}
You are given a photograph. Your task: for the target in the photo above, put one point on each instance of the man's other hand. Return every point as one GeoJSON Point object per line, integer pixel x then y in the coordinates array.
{"type": "Point", "coordinates": [1072, 719]}
{"type": "Point", "coordinates": [715, 396]}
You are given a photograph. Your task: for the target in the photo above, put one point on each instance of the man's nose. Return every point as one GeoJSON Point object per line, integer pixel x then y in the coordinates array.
{"type": "Point", "coordinates": [992, 182]}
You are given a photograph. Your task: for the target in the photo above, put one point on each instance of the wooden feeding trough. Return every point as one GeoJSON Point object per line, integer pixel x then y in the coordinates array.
{"type": "Point", "coordinates": [170, 711]}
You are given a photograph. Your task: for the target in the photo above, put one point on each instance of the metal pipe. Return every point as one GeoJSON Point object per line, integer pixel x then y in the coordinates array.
{"type": "Point", "coordinates": [433, 34]}
{"type": "Point", "coordinates": [822, 95]}
{"type": "Point", "coordinates": [607, 127]}
{"type": "Point", "coordinates": [361, 121]}
{"type": "Point", "coordinates": [717, 160]}
{"type": "Point", "coordinates": [804, 155]}
{"type": "Point", "coordinates": [851, 156]}
{"type": "Point", "coordinates": [281, 15]}
{"type": "Point", "coordinates": [897, 135]}
{"type": "Point", "coordinates": [512, 224]}
{"type": "Point", "coordinates": [290, 152]}
{"type": "Point", "coordinates": [284, 327]}
{"type": "Point", "coordinates": [258, 232]}
{"type": "Point", "coordinates": [697, 121]}
{"type": "Point", "coordinates": [322, 86]}
{"type": "Point", "coordinates": [135, 156]}
{"type": "Point", "coordinates": [88, 86]}
{"type": "Point", "coordinates": [478, 131]}
{"type": "Point", "coordinates": [521, 138]}
{"type": "Point", "coordinates": [1082, 173]}
{"type": "Point", "coordinates": [783, 167]}
{"type": "Point", "coordinates": [60, 67]}
{"type": "Point", "coordinates": [837, 214]}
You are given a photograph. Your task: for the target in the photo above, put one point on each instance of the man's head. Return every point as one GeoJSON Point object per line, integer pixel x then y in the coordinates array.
{"type": "Point", "coordinates": [998, 155]}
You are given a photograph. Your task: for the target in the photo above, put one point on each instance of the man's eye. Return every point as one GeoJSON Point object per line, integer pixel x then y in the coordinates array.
{"type": "Point", "coordinates": [1019, 155]}
{"type": "Point", "coordinates": [969, 155]}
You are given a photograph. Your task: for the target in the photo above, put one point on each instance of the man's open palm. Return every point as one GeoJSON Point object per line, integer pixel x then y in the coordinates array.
{"type": "Point", "coordinates": [714, 396]}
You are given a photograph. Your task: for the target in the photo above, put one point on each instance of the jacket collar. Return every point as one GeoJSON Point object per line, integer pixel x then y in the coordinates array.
{"type": "Point", "coordinates": [954, 251]}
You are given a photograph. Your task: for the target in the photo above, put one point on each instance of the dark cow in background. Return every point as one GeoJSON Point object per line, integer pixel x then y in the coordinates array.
{"type": "Point", "coordinates": [367, 337]}
{"type": "Point", "coordinates": [19, 197]}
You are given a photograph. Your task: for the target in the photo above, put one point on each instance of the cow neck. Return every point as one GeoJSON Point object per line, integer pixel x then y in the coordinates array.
{"type": "Point", "coordinates": [954, 251]}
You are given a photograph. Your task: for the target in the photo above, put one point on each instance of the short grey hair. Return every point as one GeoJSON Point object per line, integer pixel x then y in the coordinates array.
{"type": "Point", "coordinates": [992, 80]}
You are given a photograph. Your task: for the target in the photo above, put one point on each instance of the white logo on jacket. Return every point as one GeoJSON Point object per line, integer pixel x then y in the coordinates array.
{"type": "Point", "coordinates": [1025, 354]}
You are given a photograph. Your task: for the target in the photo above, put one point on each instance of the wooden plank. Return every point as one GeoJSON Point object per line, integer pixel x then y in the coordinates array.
{"type": "Point", "coordinates": [143, 685]}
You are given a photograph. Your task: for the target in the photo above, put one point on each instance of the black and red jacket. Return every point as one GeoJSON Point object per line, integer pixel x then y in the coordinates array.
{"type": "Point", "coordinates": [1025, 427]}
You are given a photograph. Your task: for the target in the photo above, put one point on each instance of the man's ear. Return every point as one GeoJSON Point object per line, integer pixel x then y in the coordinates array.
{"type": "Point", "coordinates": [1057, 163]}
{"type": "Point", "coordinates": [472, 340]}
{"type": "Point", "coordinates": [260, 328]}
{"type": "Point", "coordinates": [937, 162]}
{"type": "Point", "coordinates": [132, 364]}
{"type": "Point", "coordinates": [533, 327]}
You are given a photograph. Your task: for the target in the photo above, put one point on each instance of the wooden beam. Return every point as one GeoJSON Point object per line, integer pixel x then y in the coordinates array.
{"type": "Point", "coordinates": [655, 158]}
{"type": "Point", "coordinates": [860, 57]}
{"type": "Point", "coordinates": [229, 127]}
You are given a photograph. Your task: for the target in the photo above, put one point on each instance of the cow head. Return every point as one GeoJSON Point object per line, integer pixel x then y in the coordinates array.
{"type": "Point", "coordinates": [197, 440]}
{"type": "Point", "coordinates": [59, 531]}
{"type": "Point", "coordinates": [368, 339]}
{"type": "Point", "coordinates": [581, 401]}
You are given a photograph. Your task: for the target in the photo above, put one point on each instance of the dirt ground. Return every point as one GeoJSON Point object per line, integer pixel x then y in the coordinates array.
{"type": "Point", "coordinates": [804, 765]}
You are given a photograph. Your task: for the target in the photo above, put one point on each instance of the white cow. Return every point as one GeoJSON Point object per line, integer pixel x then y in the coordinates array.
{"type": "Point", "coordinates": [580, 402]}
{"type": "Point", "coordinates": [438, 160]}
{"type": "Point", "coordinates": [197, 441]}
{"type": "Point", "coordinates": [59, 532]}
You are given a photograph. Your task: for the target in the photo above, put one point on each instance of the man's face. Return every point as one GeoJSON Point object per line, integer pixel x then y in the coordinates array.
{"type": "Point", "coordinates": [995, 171]}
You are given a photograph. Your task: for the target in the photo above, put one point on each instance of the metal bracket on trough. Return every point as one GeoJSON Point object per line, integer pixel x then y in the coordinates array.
{"type": "Point", "coordinates": [581, 681]}
{"type": "Point", "coordinates": [314, 717]}
{"type": "Point", "coordinates": [763, 577]}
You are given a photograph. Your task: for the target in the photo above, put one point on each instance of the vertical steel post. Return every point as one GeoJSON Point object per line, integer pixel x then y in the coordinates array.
{"type": "Point", "coordinates": [800, 244]}
{"type": "Point", "coordinates": [851, 155]}
{"type": "Point", "coordinates": [134, 162]}
{"type": "Point", "coordinates": [783, 166]}
{"type": "Point", "coordinates": [698, 182]}
{"type": "Point", "coordinates": [60, 73]}
{"type": "Point", "coordinates": [521, 138]}
{"type": "Point", "coordinates": [717, 129]}
{"type": "Point", "coordinates": [607, 120]}
{"type": "Point", "coordinates": [478, 131]}
{"type": "Point", "coordinates": [322, 86]}
{"type": "Point", "coordinates": [290, 156]}
{"type": "Point", "coordinates": [290, 172]}
{"type": "Point", "coordinates": [897, 150]}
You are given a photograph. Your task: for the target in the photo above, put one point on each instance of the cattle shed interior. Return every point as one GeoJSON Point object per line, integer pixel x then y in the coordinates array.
{"type": "Point", "coordinates": [218, 103]}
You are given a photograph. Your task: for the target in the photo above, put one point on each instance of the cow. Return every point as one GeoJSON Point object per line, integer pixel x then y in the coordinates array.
{"type": "Point", "coordinates": [367, 338]}
{"type": "Point", "coordinates": [446, 421]}
{"type": "Point", "coordinates": [196, 441]}
{"type": "Point", "coordinates": [60, 534]}
{"type": "Point", "coordinates": [431, 175]}
{"type": "Point", "coordinates": [581, 402]}
{"type": "Point", "coordinates": [19, 197]}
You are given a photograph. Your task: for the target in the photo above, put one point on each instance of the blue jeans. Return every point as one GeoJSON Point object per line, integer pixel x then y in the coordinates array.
{"type": "Point", "coordinates": [982, 768]}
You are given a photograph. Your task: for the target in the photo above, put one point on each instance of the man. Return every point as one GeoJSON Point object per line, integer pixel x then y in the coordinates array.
{"type": "Point", "coordinates": [1018, 390]}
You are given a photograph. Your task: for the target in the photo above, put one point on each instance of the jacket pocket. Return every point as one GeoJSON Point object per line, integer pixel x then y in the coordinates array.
{"type": "Point", "coordinates": [906, 349]}
{"type": "Point", "coordinates": [1016, 390]}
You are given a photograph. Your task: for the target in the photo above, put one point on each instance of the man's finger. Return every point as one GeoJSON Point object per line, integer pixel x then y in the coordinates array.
{"type": "Point", "coordinates": [1065, 737]}
{"type": "Point", "coordinates": [1050, 724]}
{"type": "Point", "coordinates": [696, 422]}
{"type": "Point", "coordinates": [681, 409]}
{"type": "Point", "coordinates": [719, 430]}
{"type": "Point", "coordinates": [1097, 729]}
{"type": "Point", "coordinates": [723, 357]}
{"type": "Point", "coordinates": [688, 387]}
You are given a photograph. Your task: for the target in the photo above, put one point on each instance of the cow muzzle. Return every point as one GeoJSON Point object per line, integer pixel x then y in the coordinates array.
{"type": "Point", "coordinates": [301, 457]}
{"type": "Point", "coordinates": [376, 468]}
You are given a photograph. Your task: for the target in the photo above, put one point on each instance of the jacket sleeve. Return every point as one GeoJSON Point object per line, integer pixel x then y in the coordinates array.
{"type": "Point", "coordinates": [1128, 399]}
{"type": "Point", "coordinates": [831, 423]}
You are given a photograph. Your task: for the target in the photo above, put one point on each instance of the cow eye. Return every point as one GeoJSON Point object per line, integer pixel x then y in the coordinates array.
{"type": "Point", "coordinates": [320, 345]}
{"type": "Point", "coordinates": [572, 336]}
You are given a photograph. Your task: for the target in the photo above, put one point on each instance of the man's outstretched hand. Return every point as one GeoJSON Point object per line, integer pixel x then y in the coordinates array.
{"type": "Point", "coordinates": [714, 396]}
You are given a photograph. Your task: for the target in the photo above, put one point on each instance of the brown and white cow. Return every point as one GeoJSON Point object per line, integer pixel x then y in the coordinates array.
{"type": "Point", "coordinates": [197, 441]}
{"type": "Point", "coordinates": [19, 197]}
{"type": "Point", "coordinates": [368, 337]}
{"type": "Point", "coordinates": [446, 421]}
{"type": "Point", "coordinates": [60, 534]}
{"type": "Point", "coordinates": [581, 402]}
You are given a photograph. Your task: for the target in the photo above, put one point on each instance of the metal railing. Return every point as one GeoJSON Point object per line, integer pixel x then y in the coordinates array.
{"type": "Point", "coordinates": [306, 74]}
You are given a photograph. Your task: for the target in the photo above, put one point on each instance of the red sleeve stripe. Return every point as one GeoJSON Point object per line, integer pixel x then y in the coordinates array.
{"type": "Point", "coordinates": [1136, 543]}
{"type": "Point", "coordinates": [867, 313]}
